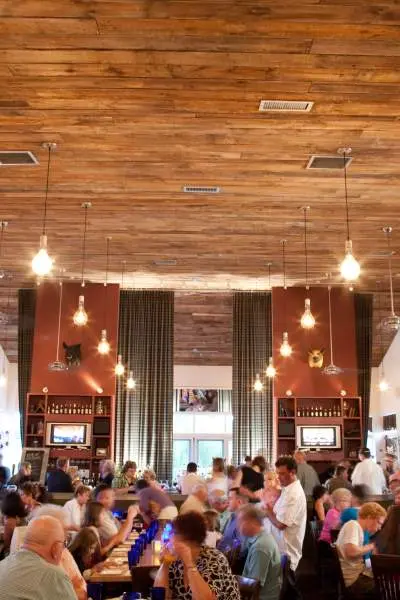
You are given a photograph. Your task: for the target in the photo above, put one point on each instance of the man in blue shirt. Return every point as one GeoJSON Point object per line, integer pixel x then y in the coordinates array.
{"type": "Point", "coordinates": [263, 560]}
{"type": "Point", "coordinates": [230, 534]}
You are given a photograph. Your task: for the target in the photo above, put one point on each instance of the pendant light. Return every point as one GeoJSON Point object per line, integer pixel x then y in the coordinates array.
{"type": "Point", "coordinates": [258, 384]}
{"type": "Point", "coordinates": [307, 320]}
{"type": "Point", "coordinates": [392, 321]}
{"type": "Point", "coordinates": [331, 369]}
{"type": "Point", "coordinates": [42, 263]}
{"type": "Point", "coordinates": [270, 371]}
{"type": "Point", "coordinates": [119, 368]}
{"type": "Point", "coordinates": [3, 374]}
{"type": "Point", "coordinates": [285, 349]}
{"type": "Point", "coordinates": [4, 225]}
{"type": "Point", "coordinates": [104, 345]}
{"type": "Point", "coordinates": [349, 267]}
{"type": "Point", "coordinates": [130, 382]}
{"type": "Point", "coordinates": [80, 317]}
{"type": "Point", "coordinates": [58, 365]}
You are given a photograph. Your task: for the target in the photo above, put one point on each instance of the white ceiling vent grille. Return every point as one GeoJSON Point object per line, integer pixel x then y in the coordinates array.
{"type": "Point", "coordinates": [13, 158]}
{"type": "Point", "coordinates": [165, 262]}
{"type": "Point", "coordinates": [201, 189]}
{"type": "Point", "coordinates": [285, 106]}
{"type": "Point", "coordinates": [328, 162]}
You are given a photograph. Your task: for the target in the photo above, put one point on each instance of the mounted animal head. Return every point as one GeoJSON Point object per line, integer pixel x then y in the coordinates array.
{"type": "Point", "coordinates": [72, 355]}
{"type": "Point", "coordinates": [316, 358]}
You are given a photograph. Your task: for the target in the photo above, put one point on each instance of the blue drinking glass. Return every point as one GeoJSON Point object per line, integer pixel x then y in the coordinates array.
{"type": "Point", "coordinates": [157, 593]}
{"type": "Point", "coordinates": [131, 596]}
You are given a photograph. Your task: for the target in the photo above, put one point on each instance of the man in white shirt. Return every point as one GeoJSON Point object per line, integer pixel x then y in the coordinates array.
{"type": "Point", "coordinates": [196, 501]}
{"type": "Point", "coordinates": [288, 517]}
{"type": "Point", "coordinates": [75, 508]}
{"type": "Point", "coordinates": [367, 472]}
{"type": "Point", "coordinates": [191, 479]}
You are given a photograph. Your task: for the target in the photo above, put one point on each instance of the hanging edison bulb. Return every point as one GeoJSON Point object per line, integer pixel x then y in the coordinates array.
{"type": "Point", "coordinates": [130, 382]}
{"type": "Point", "coordinates": [350, 267]}
{"type": "Point", "coordinates": [307, 320]}
{"type": "Point", "coordinates": [286, 348]}
{"type": "Point", "coordinates": [80, 317]}
{"type": "Point", "coordinates": [258, 384]}
{"type": "Point", "coordinates": [42, 263]}
{"type": "Point", "coordinates": [270, 371]}
{"type": "Point", "coordinates": [104, 345]}
{"type": "Point", "coordinates": [119, 367]}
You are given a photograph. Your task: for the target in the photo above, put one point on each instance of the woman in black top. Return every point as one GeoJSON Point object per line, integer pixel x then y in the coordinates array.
{"type": "Point", "coordinates": [252, 478]}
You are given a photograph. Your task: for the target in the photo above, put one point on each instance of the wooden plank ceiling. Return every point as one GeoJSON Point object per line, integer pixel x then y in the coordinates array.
{"type": "Point", "coordinates": [144, 97]}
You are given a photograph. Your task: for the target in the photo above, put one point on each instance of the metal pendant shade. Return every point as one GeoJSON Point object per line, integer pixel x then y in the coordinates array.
{"type": "Point", "coordinates": [331, 369]}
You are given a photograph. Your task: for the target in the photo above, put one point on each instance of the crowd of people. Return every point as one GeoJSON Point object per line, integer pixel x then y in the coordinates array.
{"type": "Point", "coordinates": [250, 520]}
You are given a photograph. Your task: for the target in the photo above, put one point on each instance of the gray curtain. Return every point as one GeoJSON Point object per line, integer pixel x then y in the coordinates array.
{"type": "Point", "coordinates": [252, 347]}
{"type": "Point", "coordinates": [26, 328]}
{"type": "Point", "coordinates": [363, 305]}
{"type": "Point", "coordinates": [144, 416]}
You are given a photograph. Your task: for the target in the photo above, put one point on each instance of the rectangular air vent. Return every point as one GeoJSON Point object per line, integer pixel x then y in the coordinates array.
{"type": "Point", "coordinates": [167, 262]}
{"type": "Point", "coordinates": [284, 106]}
{"type": "Point", "coordinates": [201, 189]}
{"type": "Point", "coordinates": [16, 158]}
{"type": "Point", "coordinates": [328, 162]}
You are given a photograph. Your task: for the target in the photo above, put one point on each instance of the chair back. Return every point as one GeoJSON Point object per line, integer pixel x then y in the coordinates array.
{"type": "Point", "coordinates": [316, 528]}
{"type": "Point", "coordinates": [232, 554]}
{"type": "Point", "coordinates": [249, 588]}
{"type": "Point", "coordinates": [386, 570]}
{"type": "Point", "coordinates": [95, 591]}
{"type": "Point", "coordinates": [337, 573]}
{"type": "Point", "coordinates": [143, 579]}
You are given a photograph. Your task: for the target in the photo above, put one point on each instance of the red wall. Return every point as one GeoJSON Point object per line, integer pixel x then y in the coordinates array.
{"type": "Point", "coordinates": [294, 373]}
{"type": "Point", "coordinates": [96, 370]}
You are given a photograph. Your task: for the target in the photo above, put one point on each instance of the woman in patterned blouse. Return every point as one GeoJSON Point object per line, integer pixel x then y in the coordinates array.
{"type": "Point", "coordinates": [199, 572]}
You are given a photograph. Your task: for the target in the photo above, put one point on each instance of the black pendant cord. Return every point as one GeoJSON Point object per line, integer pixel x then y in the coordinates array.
{"type": "Point", "coordinates": [388, 235]}
{"type": "Point", "coordinates": [5, 324]}
{"type": "Point", "coordinates": [106, 281]}
{"type": "Point", "coordinates": [269, 276]}
{"type": "Point", "coordinates": [84, 247]}
{"type": "Point", "coordinates": [345, 197]}
{"type": "Point", "coordinates": [47, 190]}
{"type": "Point", "coordinates": [284, 263]}
{"type": "Point", "coordinates": [59, 318]}
{"type": "Point", "coordinates": [123, 274]}
{"type": "Point", "coordinates": [305, 245]}
{"type": "Point", "coordinates": [3, 226]}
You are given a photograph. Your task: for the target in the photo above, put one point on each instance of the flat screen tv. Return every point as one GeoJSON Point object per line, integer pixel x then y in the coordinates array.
{"type": "Point", "coordinates": [318, 436]}
{"type": "Point", "coordinates": [68, 434]}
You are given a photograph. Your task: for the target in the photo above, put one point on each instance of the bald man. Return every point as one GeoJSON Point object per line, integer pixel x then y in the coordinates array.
{"type": "Point", "coordinates": [33, 573]}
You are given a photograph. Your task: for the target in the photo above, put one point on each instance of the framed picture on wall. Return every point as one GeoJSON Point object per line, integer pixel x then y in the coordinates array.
{"type": "Point", "coordinates": [198, 400]}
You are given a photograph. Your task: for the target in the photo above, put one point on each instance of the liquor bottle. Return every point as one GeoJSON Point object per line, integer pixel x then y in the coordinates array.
{"type": "Point", "coordinates": [325, 412]}
{"type": "Point", "coordinates": [330, 412]}
{"type": "Point", "coordinates": [298, 412]}
{"type": "Point", "coordinates": [78, 410]}
{"type": "Point", "coordinates": [312, 411]}
{"type": "Point", "coordinates": [56, 409]}
{"type": "Point", "coordinates": [90, 409]}
{"type": "Point", "coordinates": [334, 411]}
{"type": "Point", "coordinates": [74, 409]}
{"type": "Point", "coordinates": [339, 412]}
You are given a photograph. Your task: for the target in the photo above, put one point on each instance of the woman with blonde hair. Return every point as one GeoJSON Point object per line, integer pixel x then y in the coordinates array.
{"type": "Point", "coordinates": [218, 479]}
{"type": "Point", "coordinates": [341, 499]}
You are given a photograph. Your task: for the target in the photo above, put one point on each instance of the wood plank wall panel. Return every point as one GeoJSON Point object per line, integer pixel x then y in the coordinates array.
{"type": "Point", "coordinates": [143, 97]}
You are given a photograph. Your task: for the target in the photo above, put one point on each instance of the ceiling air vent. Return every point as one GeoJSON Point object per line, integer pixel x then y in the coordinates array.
{"type": "Point", "coordinates": [16, 158]}
{"type": "Point", "coordinates": [284, 106]}
{"type": "Point", "coordinates": [327, 162]}
{"type": "Point", "coordinates": [201, 189]}
{"type": "Point", "coordinates": [165, 262]}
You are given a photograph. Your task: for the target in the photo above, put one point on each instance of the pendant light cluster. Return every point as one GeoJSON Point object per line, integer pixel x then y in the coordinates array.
{"type": "Point", "coordinates": [104, 344]}
{"type": "Point", "coordinates": [285, 349]}
{"type": "Point", "coordinates": [42, 263]}
{"type": "Point", "coordinates": [307, 320]}
{"type": "Point", "coordinates": [350, 267]}
{"type": "Point", "coordinates": [80, 317]}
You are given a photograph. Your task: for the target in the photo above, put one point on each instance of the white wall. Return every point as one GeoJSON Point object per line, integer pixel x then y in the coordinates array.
{"type": "Point", "coordinates": [9, 414]}
{"type": "Point", "coordinates": [203, 377]}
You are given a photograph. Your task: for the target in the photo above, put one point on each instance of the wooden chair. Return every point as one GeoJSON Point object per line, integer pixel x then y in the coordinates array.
{"type": "Point", "coordinates": [232, 556]}
{"type": "Point", "coordinates": [386, 570]}
{"type": "Point", "coordinates": [143, 579]}
{"type": "Point", "coordinates": [343, 592]}
{"type": "Point", "coordinates": [249, 588]}
{"type": "Point", "coordinates": [95, 591]}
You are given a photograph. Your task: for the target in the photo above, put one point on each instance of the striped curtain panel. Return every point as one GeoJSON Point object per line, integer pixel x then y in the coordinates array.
{"type": "Point", "coordinates": [252, 347]}
{"type": "Point", "coordinates": [363, 305]}
{"type": "Point", "coordinates": [26, 328]}
{"type": "Point", "coordinates": [144, 416]}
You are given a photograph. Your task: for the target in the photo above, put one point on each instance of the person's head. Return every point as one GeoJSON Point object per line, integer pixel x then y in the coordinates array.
{"type": "Point", "coordinates": [94, 515]}
{"type": "Point", "coordinates": [341, 499]}
{"type": "Point", "coordinates": [247, 461]}
{"type": "Point", "coordinates": [46, 537]}
{"type": "Point", "coordinates": [218, 500]}
{"type": "Point", "coordinates": [394, 481]}
{"type": "Point", "coordinates": [235, 499]}
{"type": "Point", "coordinates": [86, 543]}
{"type": "Point", "coordinates": [211, 519]}
{"type": "Point", "coordinates": [32, 493]}
{"type": "Point", "coordinates": [371, 517]}
{"type": "Point", "coordinates": [13, 506]}
{"type": "Point", "coordinates": [25, 469]}
{"type": "Point", "coordinates": [106, 467]}
{"type": "Point", "coordinates": [271, 480]}
{"type": "Point", "coordinates": [54, 511]}
{"type": "Point", "coordinates": [364, 453]}
{"type": "Point", "coordinates": [341, 471]}
{"type": "Point", "coordinates": [82, 494]}
{"type": "Point", "coordinates": [299, 457]}
{"type": "Point", "coordinates": [149, 476]}
{"type": "Point", "coordinates": [191, 467]}
{"type": "Point", "coordinates": [249, 520]}
{"type": "Point", "coordinates": [141, 484]}
{"type": "Point", "coordinates": [218, 466]}
{"type": "Point", "coordinates": [129, 469]}
{"type": "Point", "coordinates": [286, 468]}
{"type": "Point", "coordinates": [200, 491]}
{"type": "Point", "coordinates": [359, 494]}
{"type": "Point", "coordinates": [320, 493]}
{"type": "Point", "coordinates": [190, 528]}
{"type": "Point", "coordinates": [388, 462]}
{"type": "Point", "coordinates": [259, 464]}
{"type": "Point", "coordinates": [106, 496]}
{"type": "Point", "coordinates": [231, 472]}
{"type": "Point", "coordinates": [63, 464]}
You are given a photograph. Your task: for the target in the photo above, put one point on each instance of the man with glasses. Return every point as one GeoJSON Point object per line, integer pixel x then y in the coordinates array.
{"type": "Point", "coordinates": [33, 573]}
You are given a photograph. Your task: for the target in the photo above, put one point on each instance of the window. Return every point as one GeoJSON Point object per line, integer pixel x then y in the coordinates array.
{"type": "Point", "coordinates": [207, 450]}
{"type": "Point", "coordinates": [181, 456]}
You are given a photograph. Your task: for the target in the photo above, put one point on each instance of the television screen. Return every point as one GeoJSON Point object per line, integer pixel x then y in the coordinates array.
{"type": "Point", "coordinates": [318, 436]}
{"type": "Point", "coordinates": [67, 434]}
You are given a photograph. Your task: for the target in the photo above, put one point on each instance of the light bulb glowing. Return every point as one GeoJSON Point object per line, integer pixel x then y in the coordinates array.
{"type": "Point", "coordinates": [80, 317]}
{"type": "Point", "coordinates": [383, 385]}
{"type": "Point", "coordinates": [350, 268]}
{"type": "Point", "coordinates": [286, 348]}
{"type": "Point", "coordinates": [130, 382]}
{"type": "Point", "coordinates": [343, 393]}
{"type": "Point", "coordinates": [270, 371]}
{"type": "Point", "coordinates": [307, 321]}
{"type": "Point", "coordinates": [289, 393]}
{"type": "Point", "coordinates": [258, 384]}
{"type": "Point", "coordinates": [3, 380]}
{"type": "Point", "coordinates": [104, 346]}
{"type": "Point", "coordinates": [99, 390]}
{"type": "Point", "coordinates": [119, 367]}
{"type": "Point", "coordinates": [42, 263]}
